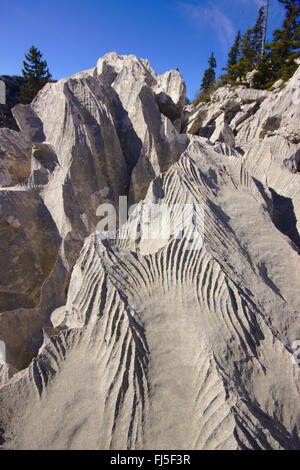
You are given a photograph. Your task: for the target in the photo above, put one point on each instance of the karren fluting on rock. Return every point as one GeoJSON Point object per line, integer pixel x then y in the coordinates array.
{"type": "Point", "coordinates": [185, 339]}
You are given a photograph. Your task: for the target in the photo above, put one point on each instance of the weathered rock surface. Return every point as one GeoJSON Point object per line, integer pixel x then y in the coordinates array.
{"type": "Point", "coordinates": [29, 249]}
{"type": "Point", "coordinates": [15, 158]}
{"type": "Point", "coordinates": [223, 133]}
{"type": "Point", "coordinates": [175, 332]}
{"type": "Point", "coordinates": [227, 101]}
{"type": "Point", "coordinates": [178, 348]}
{"type": "Point", "coordinates": [150, 141]}
{"type": "Point", "coordinates": [84, 141]}
{"type": "Point", "coordinates": [266, 131]}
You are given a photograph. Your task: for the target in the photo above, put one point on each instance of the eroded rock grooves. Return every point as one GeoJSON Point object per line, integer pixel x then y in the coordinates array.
{"type": "Point", "coordinates": [150, 343]}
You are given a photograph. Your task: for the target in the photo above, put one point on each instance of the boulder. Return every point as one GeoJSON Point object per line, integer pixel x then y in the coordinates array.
{"type": "Point", "coordinates": [250, 95]}
{"type": "Point", "coordinates": [171, 98]}
{"type": "Point", "coordinates": [280, 110]}
{"type": "Point", "coordinates": [182, 339]}
{"type": "Point", "coordinates": [150, 141]}
{"type": "Point", "coordinates": [15, 157]}
{"type": "Point", "coordinates": [179, 327]}
{"type": "Point", "coordinates": [223, 133]}
{"type": "Point", "coordinates": [84, 141]}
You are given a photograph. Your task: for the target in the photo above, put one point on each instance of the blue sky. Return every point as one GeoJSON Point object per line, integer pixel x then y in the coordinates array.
{"type": "Point", "coordinates": [73, 34]}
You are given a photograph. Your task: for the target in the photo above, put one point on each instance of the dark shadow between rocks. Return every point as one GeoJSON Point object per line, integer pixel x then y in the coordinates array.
{"type": "Point", "coordinates": [284, 217]}
{"type": "Point", "coordinates": [131, 144]}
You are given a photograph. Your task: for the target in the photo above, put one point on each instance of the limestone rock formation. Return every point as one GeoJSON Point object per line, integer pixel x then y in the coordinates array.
{"type": "Point", "coordinates": [146, 110]}
{"type": "Point", "coordinates": [223, 133]}
{"type": "Point", "coordinates": [178, 330]}
{"type": "Point", "coordinates": [82, 144]}
{"type": "Point", "coordinates": [265, 127]}
{"type": "Point", "coordinates": [15, 158]}
{"type": "Point", "coordinates": [229, 102]}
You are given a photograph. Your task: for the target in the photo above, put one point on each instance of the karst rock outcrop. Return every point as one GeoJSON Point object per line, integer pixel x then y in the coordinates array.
{"type": "Point", "coordinates": [175, 331]}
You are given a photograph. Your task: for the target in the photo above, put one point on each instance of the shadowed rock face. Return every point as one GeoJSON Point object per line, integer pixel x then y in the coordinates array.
{"type": "Point", "coordinates": [15, 157]}
{"type": "Point", "coordinates": [82, 144]}
{"type": "Point", "coordinates": [266, 131]}
{"type": "Point", "coordinates": [11, 87]}
{"type": "Point", "coordinates": [183, 340]}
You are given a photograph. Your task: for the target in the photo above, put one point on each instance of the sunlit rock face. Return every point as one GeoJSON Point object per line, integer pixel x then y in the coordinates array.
{"type": "Point", "coordinates": [147, 109]}
{"type": "Point", "coordinates": [178, 330]}
{"type": "Point", "coordinates": [265, 127]}
{"type": "Point", "coordinates": [85, 141]}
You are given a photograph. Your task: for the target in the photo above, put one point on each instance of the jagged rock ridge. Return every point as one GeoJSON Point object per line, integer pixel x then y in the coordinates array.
{"type": "Point", "coordinates": [154, 343]}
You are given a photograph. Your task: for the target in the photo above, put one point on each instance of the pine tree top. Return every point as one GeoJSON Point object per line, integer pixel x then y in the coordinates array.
{"type": "Point", "coordinates": [35, 67]}
{"type": "Point", "coordinates": [36, 74]}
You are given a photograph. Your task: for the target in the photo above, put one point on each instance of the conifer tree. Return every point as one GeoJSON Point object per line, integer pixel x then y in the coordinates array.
{"type": "Point", "coordinates": [246, 51]}
{"type": "Point", "coordinates": [232, 68]}
{"type": "Point", "coordinates": [251, 45]}
{"type": "Point", "coordinates": [258, 34]}
{"type": "Point", "coordinates": [36, 73]}
{"type": "Point", "coordinates": [234, 53]}
{"type": "Point", "coordinates": [263, 43]}
{"type": "Point", "coordinates": [279, 62]}
{"type": "Point", "coordinates": [286, 41]}
{"type": "Point", "coordinates": [245, 62]}
{"type": "Point", "coordinates": [209, 76]}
